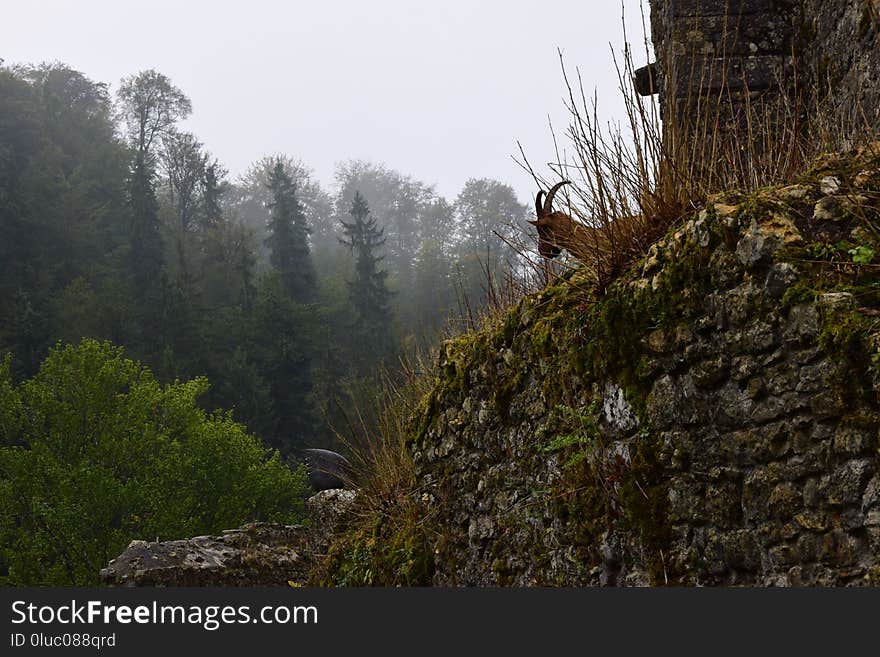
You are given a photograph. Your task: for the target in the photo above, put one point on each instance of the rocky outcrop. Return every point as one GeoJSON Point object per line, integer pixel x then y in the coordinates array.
{"type": "Point", "coordinates": [713, 419]}
{"type": "Point", "coordinates": [258, 554]}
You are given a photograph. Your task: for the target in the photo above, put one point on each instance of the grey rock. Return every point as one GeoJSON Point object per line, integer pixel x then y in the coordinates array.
{"type": "Point", "coordinates": [829, 185]}
{"type": "Point", "coordinates": [837, 301]}
{"type": "Point", "coordinates": [616, 411]}
{"type": "Point", "coordinates": [257, 554]}
{"type": "Point", "coordinates": [828, 209]}
{"type": "Point", "coordinates": [260, 554]}
{"type": "Point", "coordinates": [802, 324]}
{"type": "Point", "coordinates": [846, 485]}
{"type": "Point", "coordinates": [780, 277]}
{"type": "Point", "coordinates": [753, 247]}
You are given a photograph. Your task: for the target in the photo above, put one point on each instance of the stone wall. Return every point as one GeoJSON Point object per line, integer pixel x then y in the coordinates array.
{"type": "Point", "coordinates": [779, 58]}
{"type": "Point", "coordinates": [712, 420]}
{"type": "Point", "coordinates": [726, 64]}
{"type": "Point", "coordinates": [840, 47]}
{"type": "Point", "coordinates": [713, 44]}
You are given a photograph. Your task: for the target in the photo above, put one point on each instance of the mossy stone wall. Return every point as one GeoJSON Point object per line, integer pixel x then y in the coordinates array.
{"type": "Point", "coordinates": [713, 419]}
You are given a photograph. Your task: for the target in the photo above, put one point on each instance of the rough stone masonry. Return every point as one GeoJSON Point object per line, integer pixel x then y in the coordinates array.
{"type": "Point", "coordinates": [712, 420]}
{"type": "Point", "coordinates": [782, 58]}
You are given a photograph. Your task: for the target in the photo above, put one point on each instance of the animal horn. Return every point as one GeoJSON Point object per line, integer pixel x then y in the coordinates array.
{"type": "Point", "coordinates": [548, 202]}
{"type": "Point", "coordinates": [538, 208]}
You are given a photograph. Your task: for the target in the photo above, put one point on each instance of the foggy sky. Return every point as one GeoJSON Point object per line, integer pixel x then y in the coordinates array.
{"type": "Point", "coordinates": [440, 91]}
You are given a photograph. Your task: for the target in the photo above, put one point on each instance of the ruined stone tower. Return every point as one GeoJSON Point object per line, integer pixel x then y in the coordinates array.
{"type": "Point", "coordinates": [778, 58]}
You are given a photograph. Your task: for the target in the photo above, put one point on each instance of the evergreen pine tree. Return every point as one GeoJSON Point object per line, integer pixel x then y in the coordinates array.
{"type": "Point", "coordinates": [150, 106]}
{"type": "Point", "coordinates": [368, 291]}
{"type": "Point", "coordinates": [213, 212]}
{"type": "Point", "coordinates": [146, 242]}
{"type": "Point", "coordinates": [281, 345]}
{"type": "Point", "coordinates": [288, 239]}
{"type": "Point", "coordinates": [147, 249]}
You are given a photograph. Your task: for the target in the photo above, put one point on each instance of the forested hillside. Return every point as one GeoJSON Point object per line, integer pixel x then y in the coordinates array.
{"type": "Point", "coordinates": [165, 327]}
{"type": "Point", "coordinates": [287, 296]}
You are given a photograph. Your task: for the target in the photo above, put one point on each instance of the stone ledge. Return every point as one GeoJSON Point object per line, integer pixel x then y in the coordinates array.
{"type": "Point", "coordinates": [256, 554]}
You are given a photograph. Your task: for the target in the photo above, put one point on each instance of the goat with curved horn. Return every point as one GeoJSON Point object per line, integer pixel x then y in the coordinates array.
{"type": "Point", "coordinates": [556, 230]}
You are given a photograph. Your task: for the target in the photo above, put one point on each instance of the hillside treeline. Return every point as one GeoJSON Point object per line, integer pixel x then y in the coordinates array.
{"type": "Point", "coordinates": [285, 295]}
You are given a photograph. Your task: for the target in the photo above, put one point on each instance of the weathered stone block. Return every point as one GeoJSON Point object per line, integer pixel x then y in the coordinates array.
{"type": "Point", "coordinates": [847, 482]}
{"type": "Point", "coordinates": [784, 501]}
{"type": "Point", "coordinates": [802, 324]}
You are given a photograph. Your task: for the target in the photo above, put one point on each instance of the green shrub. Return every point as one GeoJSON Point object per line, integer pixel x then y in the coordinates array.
{"type": "Point", "coordinates": [94, 452]}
